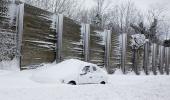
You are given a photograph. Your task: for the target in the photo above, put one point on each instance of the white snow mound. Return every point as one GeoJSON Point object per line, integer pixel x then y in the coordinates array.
{"type": "Point", "coordinates": [53, 73]}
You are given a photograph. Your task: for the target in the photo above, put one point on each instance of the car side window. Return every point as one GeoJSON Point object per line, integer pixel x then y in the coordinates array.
{"type": "Point", "coordinates": [86, 69]}
{"type": "Point", "coordinates": [94, 68]}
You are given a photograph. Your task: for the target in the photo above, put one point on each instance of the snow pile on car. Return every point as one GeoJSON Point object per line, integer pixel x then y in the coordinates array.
{"type": "Point", "coordinates": [52, 73]}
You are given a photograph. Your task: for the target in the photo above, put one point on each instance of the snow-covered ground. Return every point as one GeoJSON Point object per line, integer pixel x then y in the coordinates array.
{"type": "Point", "coordinates": [16, 85]}
{"type": "Point", "coordinates": [19, 86]}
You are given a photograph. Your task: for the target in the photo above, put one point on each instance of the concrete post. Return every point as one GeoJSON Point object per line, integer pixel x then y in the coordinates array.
{"type": "Point", "coordinates": [86, 39]}
{"type": "Point", "coordinates": [59, 31]}
{"type": "Point", "coordinates": [123, 54]}
{"type": "Point", "coordinates": [154, 58]}
{"type": "Point", "coordinates": [107, 49]}
{"type": "Point", "coordinates": [20, 19]}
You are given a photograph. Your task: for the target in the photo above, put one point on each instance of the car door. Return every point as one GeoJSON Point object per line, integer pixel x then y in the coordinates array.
{"type": "Point", "coordinates": [86, 75]}
{"type": "Point", "coordinates": [96, 75]}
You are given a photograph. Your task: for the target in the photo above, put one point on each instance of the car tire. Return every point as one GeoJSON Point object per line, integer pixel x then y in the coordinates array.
{"type": "Point", "coordinates": [72, 83]}
{"type": "Point", "coordinates": [103, 82]}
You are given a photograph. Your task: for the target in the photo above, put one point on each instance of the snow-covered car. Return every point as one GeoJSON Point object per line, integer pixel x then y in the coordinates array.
{"type": "Point", "coordinates": [71, 71]}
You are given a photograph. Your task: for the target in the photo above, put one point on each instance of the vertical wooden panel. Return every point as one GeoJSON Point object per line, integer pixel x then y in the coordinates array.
{"type": "Point", "coordinates": [154, 58]}
{"type": "Point", "coordinates": [39, 37]}
{"type": "Point", "coordinates": [115, 59]}
{"type": "Point", "coordinates": [129, 54]}
{"type": "Point", "coordinates": [72, 40]}
{"type": "Point", "coordinates": [97, 46]}
{"type": "Point", "coordinates": [161, 59]}
{"type": "Point", "coordinates": [167, 60]}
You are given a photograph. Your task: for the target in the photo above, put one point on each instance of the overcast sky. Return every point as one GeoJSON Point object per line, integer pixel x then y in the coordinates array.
{"type": "Point", "coordinates": [141, 4]}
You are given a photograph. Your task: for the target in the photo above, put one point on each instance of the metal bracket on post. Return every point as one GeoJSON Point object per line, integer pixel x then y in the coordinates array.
{"type": "Point", "coordinates": [154, 58]}
{"type": "Point", "coordinates": [86, 38]}
{"type": "Point", "coordinates": [59, 35]}
{"type": "Point", "coordinates": [123, 54]}
{"type": "Point", "coordinates": [167, 59]}
{"type": "Point", "coordinates": [20, 19]}
{"type": "Point", "coordinates": [107, 49]}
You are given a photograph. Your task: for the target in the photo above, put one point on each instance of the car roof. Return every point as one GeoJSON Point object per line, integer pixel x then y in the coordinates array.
{"type": "Point", "coordinates": [68, 66]}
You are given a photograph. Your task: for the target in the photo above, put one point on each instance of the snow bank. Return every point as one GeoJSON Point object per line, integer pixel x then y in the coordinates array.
{"type": "Point", "coordinates": [18, 86]}
{"type": "Point", "coordinates": [4, 72]}
{"type": "Point", "coordinates": [142, 73]}
{"type": "Point", "coordinates": [52, 73]}
{"type": "Point", "coordinates": [12, 65]}
{"type": "Point", "coordinates": [15, 85]}
{"type": "Point", "coordinates": [119, 72]}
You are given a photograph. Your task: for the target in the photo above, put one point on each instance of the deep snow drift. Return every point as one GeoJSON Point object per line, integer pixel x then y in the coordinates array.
{"type": "Point", "coordinates": [52, 73]}
{"type": "Point", "coordinates": [20, 86]}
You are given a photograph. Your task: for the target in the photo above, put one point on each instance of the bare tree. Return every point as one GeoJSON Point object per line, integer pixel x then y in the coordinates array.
{"type": "Point", "coordinates": [99, 12]}
{"type": "Point", "coordinates": [66, 7]}
{"type": "Point", "coordinates": [124, 14]}
{"type": "Point", "coordinates": [160, 13]}
{"type": "Point", "coordinates": [43, 4]}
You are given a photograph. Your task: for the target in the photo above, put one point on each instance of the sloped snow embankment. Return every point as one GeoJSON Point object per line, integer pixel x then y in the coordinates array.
{"type": "Point", "coordinates": [19, 86]}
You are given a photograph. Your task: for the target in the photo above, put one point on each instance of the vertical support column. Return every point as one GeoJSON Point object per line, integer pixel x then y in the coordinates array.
{"type": "Point", "coordinates": [107, 49]}
{"type": "Point", "coordinates": [59, 31]}
{"type": "Point", "coordinates": [167, 59]}
{"type": "Point", "coordinates": [154, 58]}
{"type": "Point", "coordinates": [161, 59]}
{"type": "Point", "coordinates": [146, 57]}
{"type": "Point", "coordinates": [86, 37]}
{"type": "Point", "coordinates": [123, 54]}
{"type": "Point", "coordinates": [20, 19]}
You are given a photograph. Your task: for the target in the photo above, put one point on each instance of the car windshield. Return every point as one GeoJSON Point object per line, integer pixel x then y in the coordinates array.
{"type": "Point", "coordinates": [86, 69]}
